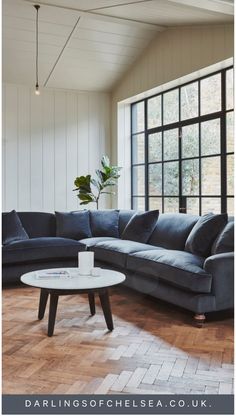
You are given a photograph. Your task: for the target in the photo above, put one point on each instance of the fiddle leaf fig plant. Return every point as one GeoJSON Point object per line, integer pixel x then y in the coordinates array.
{"type": "Point", "coordinates": [90, 189]}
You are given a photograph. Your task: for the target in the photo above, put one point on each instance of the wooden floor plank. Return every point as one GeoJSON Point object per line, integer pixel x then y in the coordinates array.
{"type": "Point", "coordinates": [154, 348]}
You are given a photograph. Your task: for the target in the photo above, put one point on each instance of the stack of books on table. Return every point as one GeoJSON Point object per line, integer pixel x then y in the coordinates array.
{"type": "Point", "coordinates": [52, 274]}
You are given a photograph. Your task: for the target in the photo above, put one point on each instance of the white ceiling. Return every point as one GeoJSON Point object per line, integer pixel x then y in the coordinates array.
{"type": "Point", "coordinates": [108, 37]}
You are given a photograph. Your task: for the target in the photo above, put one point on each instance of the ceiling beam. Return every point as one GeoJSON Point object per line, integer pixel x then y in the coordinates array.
{"type": "Point", "coordinates": [118, 5]}
{"type": "Point", "coordinates": [103, 17]}
{"type": "Point", "coordinates": [218, 6]}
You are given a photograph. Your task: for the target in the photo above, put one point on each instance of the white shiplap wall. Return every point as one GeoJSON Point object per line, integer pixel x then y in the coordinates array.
{"type": "Point", "coordinates": [47, 141]}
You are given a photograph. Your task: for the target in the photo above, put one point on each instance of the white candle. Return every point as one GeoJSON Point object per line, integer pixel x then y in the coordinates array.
{"type": "Point", "coordinates": [96, 271]}
{"type": "Point", "coordinates": [86, 262]}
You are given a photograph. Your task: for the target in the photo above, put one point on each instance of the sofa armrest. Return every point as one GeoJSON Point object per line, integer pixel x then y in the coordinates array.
{"type": "Point", "coordinates": [221, 267]}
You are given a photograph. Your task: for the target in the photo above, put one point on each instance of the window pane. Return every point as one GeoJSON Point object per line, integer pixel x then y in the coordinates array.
{"type": "Point", "coordinates": [171, 106]}
{"type": "Point", "coordinates": [154, 147]}
{"type": "Point", "coordinates": [230, 174]}
{"type": "Point", "coordinates": [155, 203]}
{"type": "Point", "coordinates": [230, 131]}
{"type": "Point", "coordinates": [189, 101]}
{"type": "Point", "coordinates": [211, 204]}
{"type": "Point", "coordinates": [138, 180]}
{"type": "Point", "coordinates": [155, 179]}
{"type": "Point", "coordinates": [171, 144]}
{"type": "Point", "coordinates": [138, 117]}
{"type": "Point", "coordinates": [211, 94]}
{"type": "Point", "coordinates": [230, 206]}
{"type": "Point", "coordinates": [193, 205]}
{"type": "Point", "coordinates": [171, 204]}
{"type": "Point", "coordinates": [229, 89]}
{"type": "Point", "coordinates": [138, 149]}
{"type": "Point", "coordinates": [190, 179]}
{"type": "Point", "coordinates": [190, 141]}
{"type": "Point", "coordinates": [211, 176]}
{"type": "Point", "coordinates": [154, 112]}
{"type": "Point", "coordinates": [210, 137]}
{"type": "Point", "coordinates": [171, 178]}
{"type": "Point", "coordinates": [138, 203]}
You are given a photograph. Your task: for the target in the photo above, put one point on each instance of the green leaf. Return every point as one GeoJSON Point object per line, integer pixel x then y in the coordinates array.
{"type": "Point", "coordinates": [97, 184]}
{"type": "Point", "coordinates": [105, 161]}
{"type": "Point", "coordinates": [110, 183]}
{"type": "Point", "coordinates": [85, 203]}
{"type": "Point", "coordinates": [83, 183]}
{"type": "Point", "coordinates": [86, 197]}
{"type": "Point", "coordinates": [101, 176]}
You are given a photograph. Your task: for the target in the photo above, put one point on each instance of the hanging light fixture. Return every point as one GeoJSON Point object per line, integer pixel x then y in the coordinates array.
{"type": "Point", "coordinates": [37, 91]}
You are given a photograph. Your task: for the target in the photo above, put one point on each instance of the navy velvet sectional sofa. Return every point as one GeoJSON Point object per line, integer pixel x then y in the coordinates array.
{"type": "Point", "coordinates": [162, 267]}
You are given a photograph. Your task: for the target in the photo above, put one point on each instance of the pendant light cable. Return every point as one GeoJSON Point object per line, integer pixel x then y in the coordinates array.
{"type": "Point", "coordinates": [37, 49]}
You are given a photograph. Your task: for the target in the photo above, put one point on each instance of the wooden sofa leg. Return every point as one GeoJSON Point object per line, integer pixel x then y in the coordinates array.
{"type": "Point", "coordinates": [199, 319]}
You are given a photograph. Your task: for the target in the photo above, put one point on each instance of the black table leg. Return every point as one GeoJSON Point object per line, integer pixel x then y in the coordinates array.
{"type": "Point", "coordinates": [91, 303]}
{"type": "Point", "coordinates": [104, 299]}
{"type": "Point", "coordinates": [52, 313]}
{"type": "Point", "coordinates": [42, 303]}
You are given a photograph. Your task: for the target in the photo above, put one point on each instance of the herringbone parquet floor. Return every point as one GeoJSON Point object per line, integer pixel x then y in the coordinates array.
{"type": "Point", "coordinates": [154, 348]}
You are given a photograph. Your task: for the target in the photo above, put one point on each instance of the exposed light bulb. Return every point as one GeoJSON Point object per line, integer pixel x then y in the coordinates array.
{"type": "Point", "coordinates": [37, 91]}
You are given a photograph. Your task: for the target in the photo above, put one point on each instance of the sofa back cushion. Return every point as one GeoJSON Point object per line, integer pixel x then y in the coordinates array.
{"type": "Point", "coordinates": [104, 223]}
{"type": "Point", "coordinates": [224, 243]}
{"type": "Point", "coordinates": [38, 224]}
{"type": "Point", "coordinates": [140, 226]}
{"type": "Point", "coordinates": [124, 218]}
{"type": "Point", "coordinates": [12, 228]}
{"type": "Point", "coordinates": [74, 225]}
{"type": "Point", "coordinates": [172, 230]}
{"type": "Point", "coordinates": [203, 234]}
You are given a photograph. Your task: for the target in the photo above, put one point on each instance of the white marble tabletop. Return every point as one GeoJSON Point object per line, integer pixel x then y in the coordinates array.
{"type": "Point", "coordinates": [72, 281]}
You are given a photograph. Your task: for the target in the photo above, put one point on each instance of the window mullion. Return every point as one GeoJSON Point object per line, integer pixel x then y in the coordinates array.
{"type": "Point", "coordinates": [223, 143]}
{"type": "Point", "coordinates": [146, 156]}
{"type": "Point", "coordinates": [200, 148]}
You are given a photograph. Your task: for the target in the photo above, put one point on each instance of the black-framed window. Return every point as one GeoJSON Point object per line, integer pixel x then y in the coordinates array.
{"type": "Point", "coordinates": [182, 144]}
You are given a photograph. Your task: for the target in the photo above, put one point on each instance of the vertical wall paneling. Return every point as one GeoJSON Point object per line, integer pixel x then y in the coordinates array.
{"type": "Point", "coordinates": [83, 118]}
{"type": "Point", "coordinates": [95, 151]}
{"type": "Point", "coordinates": [72, 150]}
{"type": "Point", "coordinates": [60, 150]}
{"type": "Point", "coordinates": [94, 144]}
{"type": "Point", "coordinates": [48, 178]}
{"type": "Point", "coordinates": [82, 135]}
{"type": "Point", "coordinates": [47, 141]}
{"type": "Point", "coordinates": [36, 151]}
{"type": "Point", "coordinates": [104, 135]}
{"type": "Point", "coordinates": [11, 148]}
{"type": "Point", "coordinates": [23, 148]}
{"type": "Point", "coordinates": [3, 148]}
{"type": "Point", "coordinates": [174, 53]}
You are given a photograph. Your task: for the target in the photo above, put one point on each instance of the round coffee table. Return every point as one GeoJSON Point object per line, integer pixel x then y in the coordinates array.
{"type": "Point", "coordinates": [56, 286]}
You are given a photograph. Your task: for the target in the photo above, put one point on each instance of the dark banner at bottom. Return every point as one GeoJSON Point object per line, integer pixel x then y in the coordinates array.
{"type": "Point", "coordinates": [118, 404]}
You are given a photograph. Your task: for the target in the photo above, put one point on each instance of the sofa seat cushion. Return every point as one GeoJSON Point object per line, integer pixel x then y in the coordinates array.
{"type": "Point", "coordinates": [36, 249]}
{"type": "Point", "coordinates": [90, 242]}
{"type": "Point", "coordinates": [115, 251]}
{"type": "Point", "coordinates": [179, 268]}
